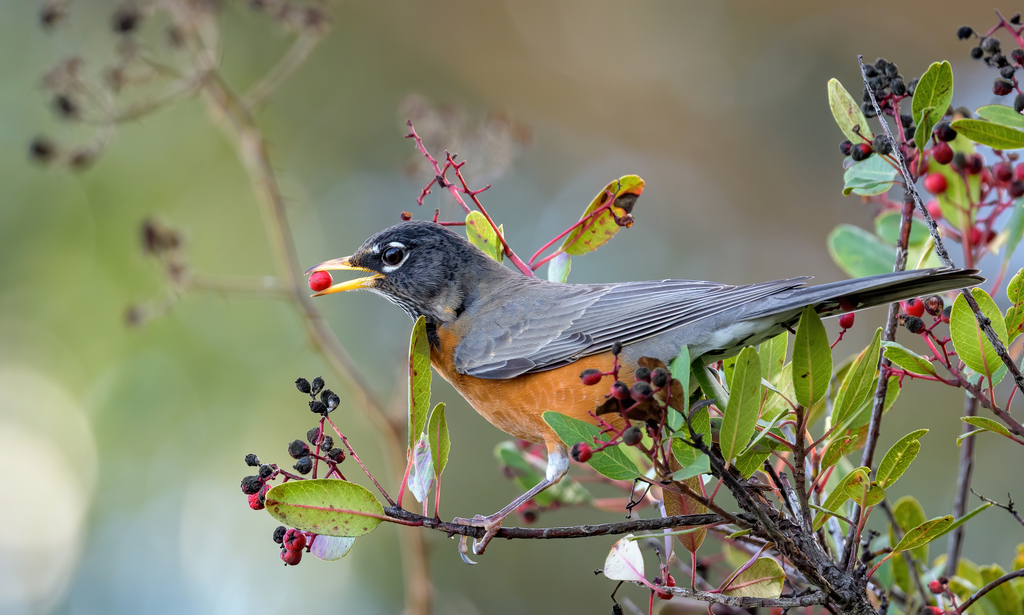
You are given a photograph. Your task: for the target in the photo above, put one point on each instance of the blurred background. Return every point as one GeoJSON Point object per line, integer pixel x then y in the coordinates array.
{"type": "Point", "coordinates": [122, 446]}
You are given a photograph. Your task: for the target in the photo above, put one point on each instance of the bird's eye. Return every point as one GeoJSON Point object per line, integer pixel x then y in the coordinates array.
{"type": "Point", "coordinates": [393, 256]}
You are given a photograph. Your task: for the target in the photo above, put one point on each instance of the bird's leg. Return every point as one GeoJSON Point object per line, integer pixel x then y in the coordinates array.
{"type": "Point", "coordinates": [558, 465]}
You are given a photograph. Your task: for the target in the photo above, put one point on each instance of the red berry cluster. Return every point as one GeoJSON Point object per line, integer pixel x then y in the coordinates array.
{"type": "Point", "coordinates": [292, 542]}
{"type": "Point", "coordinates": [913, 310]}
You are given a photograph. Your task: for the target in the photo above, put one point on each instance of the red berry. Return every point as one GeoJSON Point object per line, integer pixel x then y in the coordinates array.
{"type": "Point", "coordinates": [942, 152]}
{"type": "Point", "coordinates": [1016, 188]}
{"type": "Point", "coordinates": [294, 540]}
{"type": "Point", "coordinates": [974, 236]}
{"type": "Point", "coordinates": [976, 163]}
{"type": "Point", "coordinates": [1003, 171]}
{"type": "Point", "coordinates": [986, 176]}
{"type": "Point", "coordinates": [406, 216]}
{"type": "Point", "coordinates": [581, 452]}
{"type": "Point", "coordinates": [254, 501]}
{"type": "Point", "coordinates": [291, 558]}
{"type": "Point", "coordinates": [1018, 171]}
{"type": "Point", "coordinates": [935, 183]}
{"type": "Point", "coordinates": [846, 320]}
{"type": "Point", "coordinates": [319, 280]}
{"type": "Point", "coordinates": [935, 587]}
{"type": "Point", "coordinates": [591, 377]}
{"type": "Point", "coordinates": [620, 391]}
{"type": "Point", "coordinates": [665, 595]}
{"type": "Point", "coordinates": [934, 210]}
{"type": "Point", "coordinates": [669, 581]}
{"type": "Point", "coordinates": [913, 307]}
{"type": "Point", "coordinates": [933, 610]}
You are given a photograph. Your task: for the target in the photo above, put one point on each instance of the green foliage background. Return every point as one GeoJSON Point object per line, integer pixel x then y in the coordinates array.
{"type": "Point", "coordinates": [122, 449]}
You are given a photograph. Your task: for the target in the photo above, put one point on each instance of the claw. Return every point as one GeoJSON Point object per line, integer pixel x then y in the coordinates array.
{"type": "Point", "coordinates": [464, 551]}
{"type": "Point", "coordinates": [491, 525]}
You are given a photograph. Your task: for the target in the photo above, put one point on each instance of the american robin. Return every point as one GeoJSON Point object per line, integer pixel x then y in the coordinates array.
{"type": "Point", "coordinates": [514, 346]}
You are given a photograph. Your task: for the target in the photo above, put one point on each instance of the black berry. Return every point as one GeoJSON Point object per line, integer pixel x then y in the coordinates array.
{"type": "Point", "coordinates": [846, 147]}
{"type": "Point", "coordinates": [934, 305]}
{"type": "Point", "coordinates": [990, 44]}
{"type": "Point", "coordinates": [632, 436]}
{"type": "Point", "coordinates": [42, 149]}
{"type": "Point", "coordinates": [913, 324]}
{"type": "Point", "coordinates": [125, 20]}
{"type": "Point", "coordinates": [1002, 87]}
{"type": "Point", "coordinates": [964, 32]}
{"type": "Point", "coordinates": [336, 455]}
{"type": "Point", "coordinates": [1017, 55]}
{"type": "Point", "coordinates": [266, 471]}
{"type": "Point", "coordinates": [1018, 103]}
{"type": "Point", "coordinates": [302, 385]}
{"type": "Point", "coordinates": [882, 145]}
{"type": "Point", "coordinates": [297, 449]}
{"type": "Point", "coordinates": [327, 443]}
{"type": "Point", "coordinates": [252, 460]}
{"type": "Point", "coordinates": [977, 52]}
{"type": "Point", "coordinates": [279, 532]}
{"type": "Point", "coordinates": [898, 87]}
{"type": "Point", "coordinates": [861, 151]}
{"type": "Point", "coordinates": [641, 391]}
{"type": "Point", "coordinates": [619, 390]}
{"type": "Point", "coordinates": [318, 384]}
{"type": "Point", "coordinates": [313, 435]}
{"type": "Point", "coordinates": [304, 465]}
{"type": "Point", "coordinates": [251, 485]}
{"type": "Point", "coordinates": [642, 374]}
{"type": "Point", "coordinates": [1006, 72]}
{"type": "Point", "coordinates": [1016, 189]}
{"type": "Point", "coordinates": [659, 377]}
{"type": "Point", "coordinates": [318, 407]}
{"type": "Point", "coordinates": [617, 348]}
{"type": "Point", "coordinates": [944, 131]}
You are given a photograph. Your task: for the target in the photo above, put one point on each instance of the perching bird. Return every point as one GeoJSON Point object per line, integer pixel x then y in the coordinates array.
{"type": "Point", "coordinates": [514, 345]}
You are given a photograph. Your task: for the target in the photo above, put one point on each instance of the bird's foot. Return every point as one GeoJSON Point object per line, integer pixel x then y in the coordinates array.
{"type": "Point", "coordinates": [491, 525]}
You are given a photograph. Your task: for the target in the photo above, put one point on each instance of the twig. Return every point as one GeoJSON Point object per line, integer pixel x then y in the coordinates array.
{"type": "Point", "coordinates": [908, 557]}
{"type": "Point", "coordinates": [984, 590]}
{"type": "Point", "coordinates": [811, 599]}
{"type": "Point", "coordinates": [940, 248]}
{"type": "Point", "coordinates": [576, 531]}
{"type": "Point", "coordinates": [954, 544]}
{"type": "Point", "coordinates": [1007, 507]}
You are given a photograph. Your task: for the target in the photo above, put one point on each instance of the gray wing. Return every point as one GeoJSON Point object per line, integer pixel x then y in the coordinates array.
{"type": "Point", "coordinates": [560, 323]}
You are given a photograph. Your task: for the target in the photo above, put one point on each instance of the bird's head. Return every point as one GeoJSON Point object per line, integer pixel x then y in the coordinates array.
{"type": "Point", "coordinates": [420, 266]}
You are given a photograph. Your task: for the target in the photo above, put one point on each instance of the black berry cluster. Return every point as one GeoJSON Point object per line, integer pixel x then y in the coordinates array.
{"type": "Point", "coordinates": [989, 49]}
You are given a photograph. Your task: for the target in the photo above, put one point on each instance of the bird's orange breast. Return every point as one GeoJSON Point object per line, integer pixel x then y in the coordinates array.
{"type": "Point", "coordinates": [516, 405]}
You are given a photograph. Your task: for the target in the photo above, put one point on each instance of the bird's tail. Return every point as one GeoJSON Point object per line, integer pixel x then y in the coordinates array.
{"type": "Point", "coordinates": [861, 293]}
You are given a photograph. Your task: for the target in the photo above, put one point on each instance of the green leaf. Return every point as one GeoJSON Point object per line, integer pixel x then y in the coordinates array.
{"type": "Point", "coordinates": [860, 253]}
{"type": "Point", "coordinates": [898, 459]}
{"type": "Point", "coordinates": [597, 231]}
{"type": "Point", "coordinates": [986, 424]}
{"type": "Point", "coordinates": [680, 370]}
{"type": "Point", "coordinates": [934, 89]}
{"type": "Point", "coordinates": [611, 462]}
{"type": "Point", "coordinates": [923, 534]}
{"type": "Point", "coordinates": [558, 268]}
{"type": "Point", "coordinates": [685, 454]}
{"type": "Point", "coordinates": [869, 177]}
{"type": "Point", "coordinates": [859, 386]}
{"type": "Point", "coordinates": [969, 341]}
{"type": "Point", "coordinates": [701, 466]}
{"type": "Point", "coordinates": [907, 359]}
{"type": "Point", "coordinates": [838, 496]}
{"type": "Point", "coordinates": [1014, 230]}
{"type": "Point", "coordinates": [925, 126]}
{"type": "Point", "coordinates": [525, 475]}
{"type": "Point", "coordinates": [1014, 319]}
{"type": "Point", "coordinates": [847, 112]}
{"type": "Point", "coordinates": [419, 380]}
{"type": "Point", "coordinates": [481, 234]}
{"type": "Point", "coordinates": [887, 226]}
{"type": "Point", "coordinates": [773, 356]}
{"type": "Point", "coordinates": [991, 134]}
{"type": "Point", "coordinates": [777, 405]}
{"type": "Point", "coordinates": [764, 579]}
{"type": "Point", "coordinates": [837, 449]}
{"type": "Point", "coordinates": [862, 491]}
{"type": "Point", "coordinates": [740, 416]}
{"type": "Point", "coordinates": [964, 519]}
{"type": "Point", "coordinates": [752, 459]}
{"type": "Point", "coordinates": [1003, 596]}
{"type": "Point", "coordinates": [812, 359]}
{"type": "Point", "coordinates": [711, 387]}
{"type": "Point", "coordinates": [325, 506]}
{"type": "Point", "coordinates": [909, 513]}
{"type": "Point", "coordinates": [437, 436]}
{"type": "Point", "coordinates": [1001, 114]}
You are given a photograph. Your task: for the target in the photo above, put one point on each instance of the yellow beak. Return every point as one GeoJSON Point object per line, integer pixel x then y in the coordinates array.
{"type": "Point", "coordinates": [343, 265]}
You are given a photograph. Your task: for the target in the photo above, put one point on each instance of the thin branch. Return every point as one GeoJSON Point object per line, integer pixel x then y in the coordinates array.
{"type": "Point", "coordinates": [955, 542]}
{"type": "Point", "coordinates": [940, 248]}
{"type": "Point", "coordinates": [811, 599]}
{"type": "Point", "coordinates": [1007, 507]}
{"type": "Point", "coordinates": [576, 531]}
